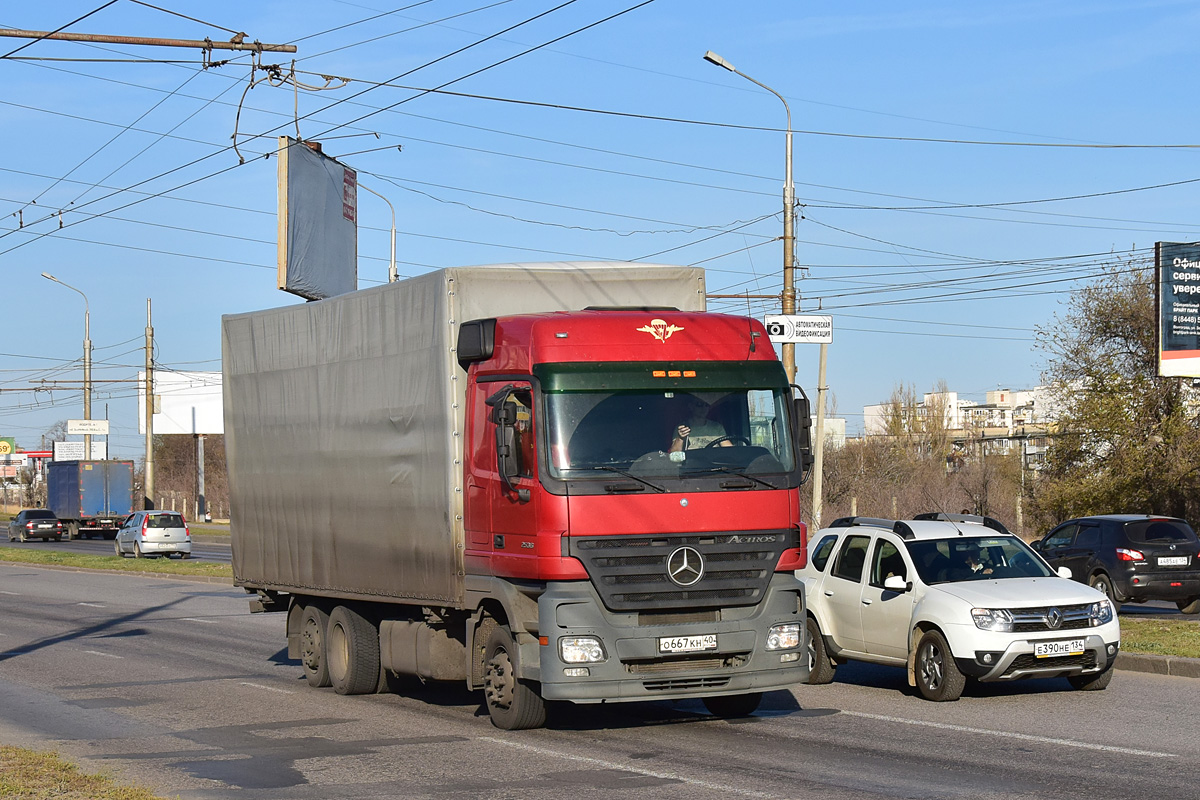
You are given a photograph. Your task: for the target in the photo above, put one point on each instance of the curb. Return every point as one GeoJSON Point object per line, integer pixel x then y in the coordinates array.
{"type": "Point", "coordinates": [136, 574]}
{"type": "Point", "coordinates": [1175, 666]}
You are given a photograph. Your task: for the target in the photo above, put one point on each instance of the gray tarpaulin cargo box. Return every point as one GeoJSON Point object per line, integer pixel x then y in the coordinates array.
{"type": "Point", "coordinates": [343, 422]}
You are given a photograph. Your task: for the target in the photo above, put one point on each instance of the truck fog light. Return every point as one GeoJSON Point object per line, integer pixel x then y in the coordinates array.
{"type": "Point", "coordinates": [581, 649]}
{"type": "Point", "coordinates": [577, 672]}
{"type": "Point", "coordinates": [789, 657]}
{"type": "Point", "coordinates": [784, 637]}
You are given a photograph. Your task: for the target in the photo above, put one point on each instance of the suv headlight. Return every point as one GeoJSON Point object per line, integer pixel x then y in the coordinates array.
{"type": "Point", "coordinates": [784, 637]}
{"type": "Point", "coordinates": [993, 619]}
{"type": "Point", "coordinates": [1100, 613]}
{"type": "Point", "coordinates": [581, 650]}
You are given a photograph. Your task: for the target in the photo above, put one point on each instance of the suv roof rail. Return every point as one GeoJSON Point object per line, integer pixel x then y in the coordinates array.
{"type": "Point", "coordinates": [903, 530]}
{"type": "Point", "coordinates": [988, 522]}
{"type": "Point", "coordinates": [850, 522]}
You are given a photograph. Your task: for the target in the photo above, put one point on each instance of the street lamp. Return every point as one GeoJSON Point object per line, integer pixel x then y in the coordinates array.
{"type": "Point", "coordinates": [789, 216]}
{"type": "Point", "coordinates": [87, 361]}
{"type": "Point", "coordinates": [392, 276]}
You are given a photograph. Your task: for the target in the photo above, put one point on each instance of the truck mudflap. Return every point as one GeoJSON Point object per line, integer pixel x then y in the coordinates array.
{"type": "Point", "coordinates": [667, 655]}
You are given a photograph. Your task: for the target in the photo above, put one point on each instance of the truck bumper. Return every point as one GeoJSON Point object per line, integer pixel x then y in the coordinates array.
{"type": "Point", "coordinates": [634, 668]}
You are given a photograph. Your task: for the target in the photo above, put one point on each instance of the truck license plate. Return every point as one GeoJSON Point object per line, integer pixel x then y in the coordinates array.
{"type": "Point", "coordinates": [687, 644]}
{"type": "Point", "coordinates": [1173, 561]}
{"type": "Point", "coordinates": [1071, 647]}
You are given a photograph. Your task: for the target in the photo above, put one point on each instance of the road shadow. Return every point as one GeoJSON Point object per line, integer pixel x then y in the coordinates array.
{"type": "Point", "coordinates": [104, 627]}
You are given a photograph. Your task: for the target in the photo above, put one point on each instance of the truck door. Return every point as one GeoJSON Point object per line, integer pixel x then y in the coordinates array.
{"type": "Point", "coordinates": [500, 489]}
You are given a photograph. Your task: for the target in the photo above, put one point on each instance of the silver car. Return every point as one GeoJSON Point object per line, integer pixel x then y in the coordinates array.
{"type": "Point", "coordinates": [154, 533]}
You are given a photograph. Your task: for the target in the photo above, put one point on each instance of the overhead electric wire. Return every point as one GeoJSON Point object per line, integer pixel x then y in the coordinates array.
{"type": "Point", "coordinates": [57, 30]}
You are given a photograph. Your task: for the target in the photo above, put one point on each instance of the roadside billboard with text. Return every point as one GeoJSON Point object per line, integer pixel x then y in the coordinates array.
{"type": "Point", "coordinates": [1177, 281]}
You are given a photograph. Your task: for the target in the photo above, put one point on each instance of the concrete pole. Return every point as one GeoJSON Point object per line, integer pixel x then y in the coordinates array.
{"type": "Point", "coordinates": [87, 378]}
{"type": "Point", "coordinates": [148, 464]}
{"type": "Point", "coordinates": [819, 445]}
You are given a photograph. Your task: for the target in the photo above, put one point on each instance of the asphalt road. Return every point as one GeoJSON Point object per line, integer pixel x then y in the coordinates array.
{"type": "Point", "coordinates": [175, 684]}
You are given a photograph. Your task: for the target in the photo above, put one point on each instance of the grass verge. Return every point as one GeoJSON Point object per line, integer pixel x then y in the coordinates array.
{"type": "Point", "coordinates": [33, 775]}
{"type": "Point", "coordinates": [1161, 637]}
{"type": "Point", "coordinates": [116, 563]}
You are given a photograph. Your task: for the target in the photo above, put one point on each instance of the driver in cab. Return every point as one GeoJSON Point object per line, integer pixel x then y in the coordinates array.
{"type": "Point", "coordinates": [698, 430]}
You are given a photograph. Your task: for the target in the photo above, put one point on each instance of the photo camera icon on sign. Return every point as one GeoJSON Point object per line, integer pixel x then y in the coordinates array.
{"type": "Point", "coordinates": [776, 329]}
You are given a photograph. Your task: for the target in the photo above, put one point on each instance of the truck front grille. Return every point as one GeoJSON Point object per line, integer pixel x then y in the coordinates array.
{"type": "Point", "coordinates": [631, 572]}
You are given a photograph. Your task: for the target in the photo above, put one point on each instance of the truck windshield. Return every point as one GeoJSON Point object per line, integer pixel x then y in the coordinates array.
{"type": "Point", "coordinates": [667, 432]}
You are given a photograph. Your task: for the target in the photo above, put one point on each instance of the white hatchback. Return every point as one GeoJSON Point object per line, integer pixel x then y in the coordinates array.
{"type": "Point", "coordinates": [951, 597]}
{"type": "Point", "coordinates": [154, 533]}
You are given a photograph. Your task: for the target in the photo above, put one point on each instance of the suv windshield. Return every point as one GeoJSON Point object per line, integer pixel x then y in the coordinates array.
{"type": "Point", "coordinates": [1159, 531]}
{"type": "Point", "coordinates": [666, 422]}
{"type": "Point", "coordinates": [975, 559]}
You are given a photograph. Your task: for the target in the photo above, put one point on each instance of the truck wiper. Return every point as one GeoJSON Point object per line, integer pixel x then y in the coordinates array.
{"type": "Point", "coordinates": [631, 476]}
{"type": "Point", "coordinates": [729, 471]}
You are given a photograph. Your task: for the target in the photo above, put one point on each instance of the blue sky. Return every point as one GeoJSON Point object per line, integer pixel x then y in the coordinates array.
{"type": "Point", "coordinates": [934, 146]}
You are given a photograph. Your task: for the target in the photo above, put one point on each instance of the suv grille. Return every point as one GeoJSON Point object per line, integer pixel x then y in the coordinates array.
{"type": "Point", "coordinates": [630, 572]}
{"type": "Point", "coordinates": [1030, 661]}
{"type": "Point", "coordinates": [1035, 620]}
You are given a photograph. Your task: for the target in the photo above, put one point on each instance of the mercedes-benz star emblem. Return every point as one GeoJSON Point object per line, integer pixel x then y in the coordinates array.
{"type": "Point", "coordinates": [685, 566]}
{"type": "Point", "coordinates": [1053, 618]}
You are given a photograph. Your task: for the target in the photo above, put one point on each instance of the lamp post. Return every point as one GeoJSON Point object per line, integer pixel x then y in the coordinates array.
{"type": "Point", "coordinates": [789, 216]}
{"type": "Point", "coordinates": [392, 276]}
{"type": "Point", "coordinates": [87, 361]}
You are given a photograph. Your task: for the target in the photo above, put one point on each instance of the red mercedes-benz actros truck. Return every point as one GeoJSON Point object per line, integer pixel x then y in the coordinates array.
{"type": "Point", "coordinates": [551, 481]}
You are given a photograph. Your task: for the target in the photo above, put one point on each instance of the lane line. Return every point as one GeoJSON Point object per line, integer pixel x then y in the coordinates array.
{"type": "Point", "coordinates": [268, 688]}
{"type": "Point", "coordinates": [720, 787]}
{"type": "Point", "coordinates": [106, 655]}
{"type": "Point", "coordinates": [196, 619]}
{"type": "Point", "coordinates": [1010, 735]}
{"type": "Point", "coordinates": [14, 594]}
{"type": "Point", "coordinates": [90, 605]}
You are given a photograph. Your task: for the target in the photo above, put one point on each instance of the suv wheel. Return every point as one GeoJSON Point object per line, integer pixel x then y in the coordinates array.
{"type": "Point", "coordinates": [820, 668]}
{"type": "Point", "coordinates": [938, 677]}
{"type": "Point", "coordinates": [1103, 584]}
{"type": "Point", "coordinates": [1094, 682]}
{"type": "Point", "coordinates": [1189, 606]}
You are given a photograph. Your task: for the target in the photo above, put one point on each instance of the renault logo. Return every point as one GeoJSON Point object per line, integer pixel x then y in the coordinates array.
{"type": "Point", "coordinates": [685, 566]}
{"type": "Point", "coordinates": [1053, 618]}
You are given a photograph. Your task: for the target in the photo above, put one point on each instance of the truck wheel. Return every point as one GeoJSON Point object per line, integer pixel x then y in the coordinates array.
{"type": "Point", "coordinates": [1189, 606]}
{"type": "Point", "coordinates": [1103, 584]}
{"type": "Point", "coordinates": [314, 623]}
{"type": "Point", "coordinates": [72, 531]}
{"type": "Point", "coordinates": [938, 677]}
{"type": "Point", "coordinates": [733, 705]}
{"type": "Point", "coordinates": [352, 652]}
{"type": "Point", "coordinates": [512, 704]}
{"type": "Point", "coordinates": [820, 668]}
{"type": "Point", "coordinates": [1094, 682]}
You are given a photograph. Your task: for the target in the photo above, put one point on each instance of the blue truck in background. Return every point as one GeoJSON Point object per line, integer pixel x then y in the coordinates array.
{"type": "Point", "coordinates": [90, 497]}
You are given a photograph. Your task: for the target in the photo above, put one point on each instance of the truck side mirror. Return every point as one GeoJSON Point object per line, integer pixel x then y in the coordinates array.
{"type": "Point", "coordinates": [802, 428]}
{"type": "Point", "coordinates": [508, 464]}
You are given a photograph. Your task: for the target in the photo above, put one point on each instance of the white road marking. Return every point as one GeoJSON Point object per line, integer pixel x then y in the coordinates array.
{"type": "Point", "coordinates": [90, 605]}
{"type": "Point", "coordinates": [268, 688]}
{"type": "Point", "coordinates": [98, 653]}
{"type": "Point", "coordinates": [720, 787]}
{"type": "Point", "coordinates": [197, 619]}
{"type": "Point", "coordinates": [17, 594]}
{"type": "Point", "coordinates": [1010, 735]}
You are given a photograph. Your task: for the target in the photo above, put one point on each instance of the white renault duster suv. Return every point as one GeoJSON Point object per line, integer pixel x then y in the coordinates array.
{"type": "Point", "coordinates": [951, 597]}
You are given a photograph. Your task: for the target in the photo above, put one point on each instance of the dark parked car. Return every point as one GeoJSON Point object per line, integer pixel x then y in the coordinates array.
{"type": "Point", "coordinates": [34, 523]}
{"type": "Point", "coordinates": [1132, 558]}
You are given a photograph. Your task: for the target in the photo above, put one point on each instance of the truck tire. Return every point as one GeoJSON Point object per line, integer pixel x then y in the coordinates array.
{"type": "Point", "coordinates": [512, 704]}
{"type": "Point", "coordinates": [820, 668]}
{"type": "Point", "coordinates": [732, 706]}
{"type": "Point", "coordinates": [314, 626]}
{"type": "Point", "coordinates": [938, 677]}
{"type": "Point", "coordinates": [352, 652]}
{"type": "Point", "coordinates": [72, 531]}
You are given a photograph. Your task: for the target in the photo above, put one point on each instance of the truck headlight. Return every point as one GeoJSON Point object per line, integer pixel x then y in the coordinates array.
{"type": "Point", "coordinates": [1100, 613]}
{"type": "Point", "coordinates": [581, 650]}
{"type": "Point", "coordinates": [783, 637]}
{"type": "Point", "coordinates": [993, 619]}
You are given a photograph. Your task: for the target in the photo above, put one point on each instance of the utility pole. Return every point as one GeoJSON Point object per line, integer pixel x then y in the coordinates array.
{"type": "Point", "coordinates": [148, 465]}
{"type": "Point", "coordinates": [819, 444]}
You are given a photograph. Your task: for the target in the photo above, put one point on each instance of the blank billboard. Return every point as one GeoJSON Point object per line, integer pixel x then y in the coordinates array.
{"type": "Point", "coordinates": [184, 402]}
